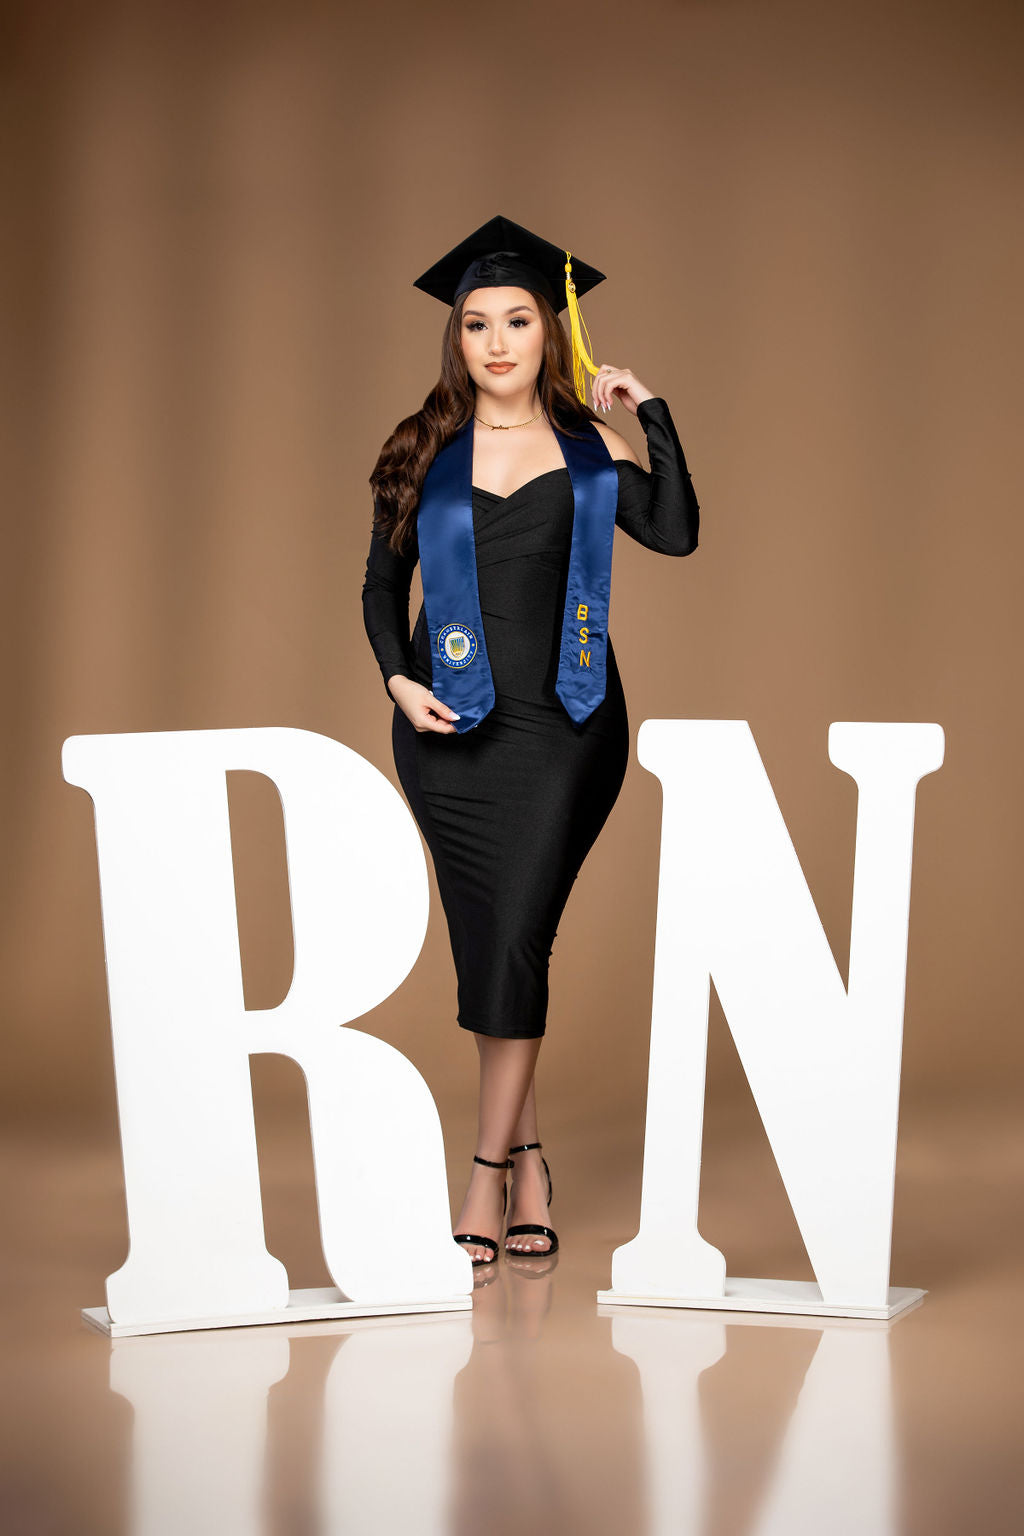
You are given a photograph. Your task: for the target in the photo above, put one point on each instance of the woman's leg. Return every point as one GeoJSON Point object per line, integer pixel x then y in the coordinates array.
{"type": "Point", "coordinates": [529, 1182]}
{"type": "Point", "coordinates": [506, 1074]}
{"type": "Point", "coordinates": [526, 1125]}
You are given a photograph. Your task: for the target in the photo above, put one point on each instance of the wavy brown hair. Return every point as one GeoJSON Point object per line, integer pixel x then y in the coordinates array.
{"type": "Point", "coordinates": [398, 474]}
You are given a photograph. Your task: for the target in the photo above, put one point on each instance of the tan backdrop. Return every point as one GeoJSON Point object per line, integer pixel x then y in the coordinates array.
{"type": "Point", "coordinates": [810, 221]}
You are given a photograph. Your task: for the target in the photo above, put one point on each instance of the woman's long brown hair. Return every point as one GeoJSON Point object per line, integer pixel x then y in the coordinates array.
{"type": "Point", "coordinates": [398, 474]}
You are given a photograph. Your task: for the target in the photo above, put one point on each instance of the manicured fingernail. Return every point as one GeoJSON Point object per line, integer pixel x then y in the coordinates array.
{"type": "Point", "coordinates": [455, 716]}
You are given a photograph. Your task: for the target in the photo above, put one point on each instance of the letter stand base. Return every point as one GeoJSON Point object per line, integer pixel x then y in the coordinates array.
{"type": "Point", "coordinates": [314, 1305]}
{"type": "Point", "coordinates": [800, 1297]}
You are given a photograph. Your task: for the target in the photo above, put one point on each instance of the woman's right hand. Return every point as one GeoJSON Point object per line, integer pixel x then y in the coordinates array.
{"type": "Point", "coordinates": [420, 707]}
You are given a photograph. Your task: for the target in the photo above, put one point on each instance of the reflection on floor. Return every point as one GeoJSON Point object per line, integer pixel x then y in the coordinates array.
{"type": "Point", "coordinates": [539, 1408]}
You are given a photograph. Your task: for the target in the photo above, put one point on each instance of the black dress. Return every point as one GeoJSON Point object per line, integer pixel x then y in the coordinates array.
{"type": "Point", "coordinates": [510, 809]}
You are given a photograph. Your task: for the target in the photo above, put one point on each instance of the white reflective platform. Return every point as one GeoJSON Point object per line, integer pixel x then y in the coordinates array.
{"type": "Point", "coordinates": [801, 1297]}
{"type": "Point", "coordinates": [304, 1306]}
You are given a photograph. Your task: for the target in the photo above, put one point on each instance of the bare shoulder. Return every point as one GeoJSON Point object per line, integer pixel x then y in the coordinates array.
{"type": "Point", "coordinates": [616, 443]}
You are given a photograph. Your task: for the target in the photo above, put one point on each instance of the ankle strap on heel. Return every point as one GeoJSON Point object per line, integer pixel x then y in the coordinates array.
{"type": "Point", "coordinates": [530, 1146]}
{"type": "Point", "coordinates": [506, 1162]}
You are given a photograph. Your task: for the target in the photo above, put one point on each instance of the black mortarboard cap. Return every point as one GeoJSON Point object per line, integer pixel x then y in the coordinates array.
{"type": "Point", "coordinates": [502, 254]}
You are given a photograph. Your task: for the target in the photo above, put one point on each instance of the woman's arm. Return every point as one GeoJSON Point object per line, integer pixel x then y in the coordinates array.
{"type": "Point", "coordinates": [386, 617]}
{"type": "Point", "coordinates": [386, 606]}
{"type": "Point", "coordinates": [658, 508]}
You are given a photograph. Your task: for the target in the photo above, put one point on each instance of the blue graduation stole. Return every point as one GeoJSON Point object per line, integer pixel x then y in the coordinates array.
{"type": "Point", "coordinates": [461, 671]}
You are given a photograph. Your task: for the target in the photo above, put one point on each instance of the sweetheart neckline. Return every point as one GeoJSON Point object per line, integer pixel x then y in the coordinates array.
{"type": "Point", "coordinates": [562, 469]}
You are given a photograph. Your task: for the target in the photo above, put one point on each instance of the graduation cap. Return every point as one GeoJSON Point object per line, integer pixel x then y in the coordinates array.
{"type": "Point", "coordinates": [502, 254]}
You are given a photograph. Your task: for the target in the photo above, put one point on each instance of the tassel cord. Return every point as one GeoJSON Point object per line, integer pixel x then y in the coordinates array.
{"type": "Point", "coordinates": [582, 347]}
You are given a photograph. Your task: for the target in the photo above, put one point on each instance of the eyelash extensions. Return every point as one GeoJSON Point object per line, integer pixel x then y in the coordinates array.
{"type": "Point", "coordinates": [517, 320]}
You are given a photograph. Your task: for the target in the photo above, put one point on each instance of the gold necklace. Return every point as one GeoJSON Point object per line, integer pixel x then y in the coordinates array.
{"type": "Point", "coordinates": [514, 424]}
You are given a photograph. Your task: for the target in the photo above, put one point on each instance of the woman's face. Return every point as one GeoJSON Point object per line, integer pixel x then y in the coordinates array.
{"type": "Point", "coordinates": [502, 339]}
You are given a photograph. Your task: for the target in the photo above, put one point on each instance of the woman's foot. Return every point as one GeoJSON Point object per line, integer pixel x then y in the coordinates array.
{"type": "Point", "coordinates": [483, 1210]}
{"type": "Point", "coordinates": [528, 1202]}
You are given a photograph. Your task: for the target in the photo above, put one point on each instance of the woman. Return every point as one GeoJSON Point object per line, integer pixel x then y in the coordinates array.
{"type": "Point", "coordinates": [510, 732]}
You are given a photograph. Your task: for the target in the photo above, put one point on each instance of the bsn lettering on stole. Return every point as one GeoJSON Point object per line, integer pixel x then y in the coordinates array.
{"type": "Point", "coordinates": [581, 613]}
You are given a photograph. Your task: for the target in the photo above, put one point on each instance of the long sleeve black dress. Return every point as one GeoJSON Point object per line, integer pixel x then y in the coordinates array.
{"type": "Point", "coordinates": [510, 809]}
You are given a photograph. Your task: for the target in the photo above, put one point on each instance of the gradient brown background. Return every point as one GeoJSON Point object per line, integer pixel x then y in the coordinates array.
{"type": "Point", "coordinates": [810, 218]}
{"type": "Point", "coordinates": [810, 221]}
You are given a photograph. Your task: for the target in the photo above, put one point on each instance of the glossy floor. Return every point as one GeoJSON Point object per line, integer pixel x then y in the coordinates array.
{"type": "Point", "coordinates": [536, 1410]}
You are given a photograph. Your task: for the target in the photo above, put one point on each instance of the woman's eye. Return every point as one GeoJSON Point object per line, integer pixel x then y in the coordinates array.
{"type": "Point", "coordinates": [477, 325]}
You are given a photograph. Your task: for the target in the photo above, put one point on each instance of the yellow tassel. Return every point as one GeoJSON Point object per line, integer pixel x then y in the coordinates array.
{"type": "Point", "coordinates": [581, 348]}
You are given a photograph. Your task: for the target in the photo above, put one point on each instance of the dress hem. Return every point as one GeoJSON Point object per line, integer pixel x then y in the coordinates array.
{"type": "Point", "coordinates": [502, 1034]}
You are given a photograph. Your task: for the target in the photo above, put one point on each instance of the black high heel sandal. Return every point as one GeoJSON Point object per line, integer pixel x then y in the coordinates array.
{"type": "Point", "coordinates": [471, 1237]}
{"type": "Point", "coordinates": [532, 1228]}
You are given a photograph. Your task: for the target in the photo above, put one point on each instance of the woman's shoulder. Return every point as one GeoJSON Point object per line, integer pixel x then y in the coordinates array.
{"type": "Point", "coordinates": [616, 444]}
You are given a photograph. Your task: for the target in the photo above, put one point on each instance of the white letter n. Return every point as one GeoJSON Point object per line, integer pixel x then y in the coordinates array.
{"type": "Point", "coordinates": [823, 1064]}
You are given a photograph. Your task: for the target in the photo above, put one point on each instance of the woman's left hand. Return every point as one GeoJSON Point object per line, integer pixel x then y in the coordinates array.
{"type": "Point", "coordinates": [619, 384]}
